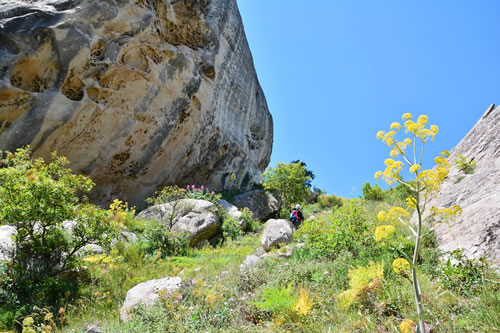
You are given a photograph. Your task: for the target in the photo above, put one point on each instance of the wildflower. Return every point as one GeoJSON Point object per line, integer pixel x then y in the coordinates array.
{"type": "Point", "coordinates": [286, 264]}
{"type": "Point", "coordinates": [383, 232]}
{"type": "Point", "coordinates": [401, 266]}
{"type": "Point", "coordinates": [396, 126]}
{"type": "Point", "coordinates": [326, 272]}
{"type": "Point", "coordinates": [407, 141]}
{"type": "Point", "coordinates": [61, 311]}
{"type": "Point", "coordinates": [193, 187]}
{"type": "Point", "coordinates": [191, 308]}
{"type": "Point", "coordinates": [414, 168]}
{"type": "Point", "coordinates": [202, 187]}
{"type": "Point", "coordinates": [407, 116]}
{"type": "Point", "coordinates": [380, 134]}
{"type": "Point", "coordinates": [381, 216]}
{"type": "Point", "coordinates": [423, 119]}
{"type": "Point", "coordinates": [411, 202]}
{"type": "Point", "coordinates": [378, 174]}
{"type": "Point", "coordinates": [179, 297]}
{"type": "Point", "coordinates": [213, 193]}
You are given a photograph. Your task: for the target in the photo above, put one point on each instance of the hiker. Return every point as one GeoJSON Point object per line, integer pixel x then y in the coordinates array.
{"type": "Point", "coordinates": [296, 216]}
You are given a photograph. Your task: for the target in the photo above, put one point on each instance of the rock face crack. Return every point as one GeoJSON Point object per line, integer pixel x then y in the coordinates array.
{"type": "Point", "coordinates": [136, 93]}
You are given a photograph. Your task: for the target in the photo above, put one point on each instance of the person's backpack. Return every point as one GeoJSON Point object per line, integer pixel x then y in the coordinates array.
{"type": "Point", "coordinates": [293, 216]}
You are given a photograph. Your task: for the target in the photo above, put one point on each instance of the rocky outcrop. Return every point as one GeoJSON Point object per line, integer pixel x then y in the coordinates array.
{"type": "Point", "coordinates": [263, 205]}
{"type": "Point", "coordinates": [233, 212]}
{"type": "Point", "coordinates": [276, 233]}
{"type": "Point", "coordinates": [148, 293]}
{"type": "Point", "coordinates": [477, 230]}
{"type": "Point", "coordinates": [136, 93]}
{"type": "Point", "coordinates": [196, 218]}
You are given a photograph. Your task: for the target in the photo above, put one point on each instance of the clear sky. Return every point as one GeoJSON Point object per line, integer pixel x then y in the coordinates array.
{"type": "Point", "coordinates": [336, 72]}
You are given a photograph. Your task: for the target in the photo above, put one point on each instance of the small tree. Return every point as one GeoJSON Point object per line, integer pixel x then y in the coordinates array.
{"type": "Point", "coordinates": [425, 186]}
{"type": "Point", "coordinates": [288, 181]}
{"type": "Point", "coordinates": [36, 198]}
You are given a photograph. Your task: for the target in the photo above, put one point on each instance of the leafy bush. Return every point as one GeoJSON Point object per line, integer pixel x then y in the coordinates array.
{"type": "Point", "coordinates": [465, 165]}
{"type": "Point", "coordinates": [158, 237]}
{"type": "Point", "coordinates": [36, 198]}
{"type": "Point", "coordinates": [289, 182]}
{"type": "Point", "coordinates": [364, 281]}
{"type": "Point", "coordinates": [462, 274]}
{"type": "Point", "coordinates": [330, 201]}
{"type": "Point", "coordinates": [230, 228]}
{"type": "Point", "coordinates": [372, 193]}
{"type": "Point", "coordinates": [346, 229]}
{"type": "Point", "coordinates": [251, 224]}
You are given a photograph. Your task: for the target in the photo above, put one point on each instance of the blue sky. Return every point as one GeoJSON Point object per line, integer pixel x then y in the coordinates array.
{"type": "Point", "coordinates": [336, 72]}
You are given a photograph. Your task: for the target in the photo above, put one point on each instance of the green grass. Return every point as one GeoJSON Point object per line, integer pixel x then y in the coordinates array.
{"type": "Point", "coordinates": [218, 298]}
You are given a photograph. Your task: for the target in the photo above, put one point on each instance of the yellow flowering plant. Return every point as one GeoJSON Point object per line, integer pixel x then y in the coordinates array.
{"type": "Point", "coordinates": [426, 185]}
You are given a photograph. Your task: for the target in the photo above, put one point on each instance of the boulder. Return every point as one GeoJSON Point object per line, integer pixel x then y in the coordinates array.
{"type": "Point", "coordinates": [7, 246]}
{"type": "Point", "coordinates": [477, 230]}
{"type": "Point", "coordinates": [233, 211]}
{"type": "Point", "coordinates": [136, 94]}
{"type": "Point", "coordinates": [148, 293]}
{"type": "Point", "coordinates": [276, 233]}
{"type": "Point", "coordinates": [249, 263]}
{"type": "Point", "coordinates": [262, 204]}
{"type": "Point", "coordinates": [196, 218]}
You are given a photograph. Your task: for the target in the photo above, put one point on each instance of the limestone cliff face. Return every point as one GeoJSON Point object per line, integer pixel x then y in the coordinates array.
{"type": "Point", "coordinates": [477, 231]}
{"type": "Point", "coordinates": [136, 93]}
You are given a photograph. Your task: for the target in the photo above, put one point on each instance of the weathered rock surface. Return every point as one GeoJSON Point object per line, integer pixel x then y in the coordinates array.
{"type": "Point", "coordinates": [136, 93]}
{"type": "Point", "coordinates": [276, 233]}
{"type": "Point", "coordinates": [478, 194]}
{"type": "Point", "coordinates": [7, 246]}
{"type": "Point", "coordinates": [263, 205]}
{"type": "Point", "coordinates": [194, 217]}
{"type": "Point", "coordinates": [147, 293]}
{"type": "Point", "coordinates": [233, 211]}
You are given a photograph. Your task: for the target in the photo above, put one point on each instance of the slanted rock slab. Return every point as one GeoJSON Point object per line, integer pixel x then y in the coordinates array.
{"type": "Point", "coordinates": [262, 204]}
{"type": "Point", "coordinates": [276, 233]}
{"type": "Point", "coordinates": [147, 294]}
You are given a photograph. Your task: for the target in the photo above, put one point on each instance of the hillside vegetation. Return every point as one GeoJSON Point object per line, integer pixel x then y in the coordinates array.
{"type": "Point", "coordinates": [356, 264]}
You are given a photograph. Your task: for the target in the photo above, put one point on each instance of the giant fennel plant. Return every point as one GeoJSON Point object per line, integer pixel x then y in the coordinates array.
{"type": "Point", "coordinates": [426, 185]}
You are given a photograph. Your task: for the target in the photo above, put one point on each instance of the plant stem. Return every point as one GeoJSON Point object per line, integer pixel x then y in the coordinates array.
{"type": "Point", "coordinates": [416, 285]}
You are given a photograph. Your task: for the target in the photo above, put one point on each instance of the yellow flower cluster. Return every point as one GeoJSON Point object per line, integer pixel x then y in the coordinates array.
{"type": "Point", "coordinates": [383, 232]}
{"type": "Point", "coordinates": [391, 172]}
{"type": "Point", "coordinates": [119, 210]}
{"type": "Point", "coordinates": [362, 280]}
{"type": "Point", "coordinates": [304, 303]}
{"type": "Point", "coordinates": [393, 215]}
{"type": "Point", "coordinates": [401, 266]}
{"type": "Point", "coordinates": [407, 326]}
{"type": "Point", "coordinates": [446, 213]}
{"type": "Point", "coordinates": [411, 202]}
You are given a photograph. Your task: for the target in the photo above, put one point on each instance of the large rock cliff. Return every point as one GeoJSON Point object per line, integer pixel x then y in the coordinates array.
{"type": "Point", "coordinates": [136, 93]}
{"type": "Point", "coordinates": [477, 231]}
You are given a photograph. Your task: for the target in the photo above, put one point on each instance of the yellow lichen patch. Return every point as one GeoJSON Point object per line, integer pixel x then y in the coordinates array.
{"type": "Point", "coordinates": [37, 72]}
{"type": "Point", "coordinates": [120, 77]}
{"type": "Point", "coordinates": [13, 104]}
{"type": "Point", "coordinates": [73, 86]}
{"type": "Point", "coordinates": [138, 57]}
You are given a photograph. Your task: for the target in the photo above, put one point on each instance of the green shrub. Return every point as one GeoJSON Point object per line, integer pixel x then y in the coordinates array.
{"type": "Point", "coordinates": [346, 229]}
{"type": "Point", "coordinates": [230, 228]}
{"type": "Point", "coordinates": [158, 236]}
{"type": "Point", "coordinates": [251, 224]}
{"type": "Point", "coordinates": [465, 165]}
{"type": "Point", "coordinates": [36, 198]}
{"type": "Point", "coordinates": [372, 193]}
{"type": "Point", "coordinates": [330, 201]}
{"type": "Point", "coordinates": [462, 274]}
